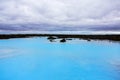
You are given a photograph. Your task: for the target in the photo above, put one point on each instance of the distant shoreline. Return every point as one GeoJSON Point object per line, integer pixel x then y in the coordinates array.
{"type": "Point", "coordinates": [110, 37]}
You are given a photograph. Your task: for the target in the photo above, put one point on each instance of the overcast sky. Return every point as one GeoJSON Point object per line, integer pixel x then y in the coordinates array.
{"type": "Point", "coordinates": [68, 12]}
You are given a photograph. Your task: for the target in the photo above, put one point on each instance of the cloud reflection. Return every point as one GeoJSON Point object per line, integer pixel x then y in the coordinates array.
{"type": "Point", "coordinates": [8, 52]}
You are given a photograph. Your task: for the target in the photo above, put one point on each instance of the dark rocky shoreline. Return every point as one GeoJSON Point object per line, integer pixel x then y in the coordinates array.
{"type": "Point", "coordinates": [112, 37]}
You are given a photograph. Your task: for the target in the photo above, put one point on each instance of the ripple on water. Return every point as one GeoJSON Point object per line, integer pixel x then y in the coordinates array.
{"type": "Point", "coordinates": [8, 52]}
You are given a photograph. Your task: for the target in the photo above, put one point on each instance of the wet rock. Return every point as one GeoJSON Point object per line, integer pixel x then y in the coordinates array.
{"type": "Point", "coordinates": [88, 40]}
{"type": "Point", "coordinates": [51, 37]}
{"type": "Point", "coordinates": [62, 40]}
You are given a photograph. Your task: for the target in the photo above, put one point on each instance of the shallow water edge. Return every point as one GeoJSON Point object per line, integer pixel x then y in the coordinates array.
{"type": "Point", "coordinates": [65, 37]}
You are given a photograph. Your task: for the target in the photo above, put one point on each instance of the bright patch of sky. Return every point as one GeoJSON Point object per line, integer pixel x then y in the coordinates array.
{"type": "Point", "coordinates": [63, 12]}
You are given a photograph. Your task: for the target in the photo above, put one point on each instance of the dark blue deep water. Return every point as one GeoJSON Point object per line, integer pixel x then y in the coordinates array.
{"type": "Point", "coordinates": [39, 59]}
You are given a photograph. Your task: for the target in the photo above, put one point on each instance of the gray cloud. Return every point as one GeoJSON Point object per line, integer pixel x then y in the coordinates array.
{"type": "Point", "coordinates": [69, 12]}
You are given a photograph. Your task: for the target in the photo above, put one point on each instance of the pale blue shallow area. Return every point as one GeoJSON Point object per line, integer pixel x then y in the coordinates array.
{"type": "Point", "coordinates": [39, 59]}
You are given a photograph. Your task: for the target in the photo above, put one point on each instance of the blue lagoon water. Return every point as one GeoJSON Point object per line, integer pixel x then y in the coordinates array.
{"type": "Point", "coordinates": [39, 59]}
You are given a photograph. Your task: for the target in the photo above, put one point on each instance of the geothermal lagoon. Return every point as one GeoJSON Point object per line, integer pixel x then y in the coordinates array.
{"type": "Point", "coordinates": [37, 58]}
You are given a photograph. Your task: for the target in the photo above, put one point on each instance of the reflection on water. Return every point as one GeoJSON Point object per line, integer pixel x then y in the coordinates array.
{"type": "Point", "coordinates": [39, 59]}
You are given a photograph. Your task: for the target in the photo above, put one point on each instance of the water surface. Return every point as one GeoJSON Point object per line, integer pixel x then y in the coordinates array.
{"type": "Point", "coordinates": [39, 59]}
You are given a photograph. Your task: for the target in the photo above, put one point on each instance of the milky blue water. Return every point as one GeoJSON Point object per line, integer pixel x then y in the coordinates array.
{"type": "Point", "coordinates": [39, 59]}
